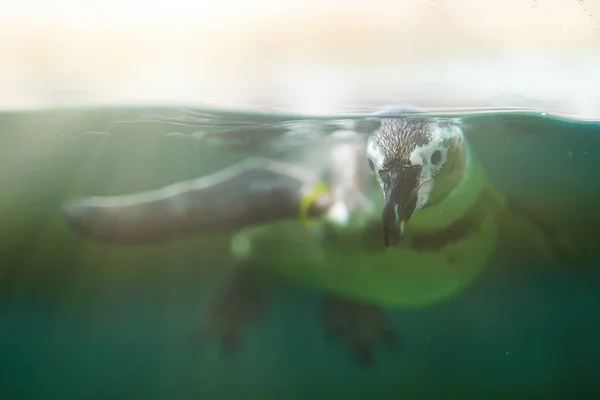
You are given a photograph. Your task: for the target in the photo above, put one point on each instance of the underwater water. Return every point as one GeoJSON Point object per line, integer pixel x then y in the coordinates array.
{"type": "Point", "coordinates": [84, 320]}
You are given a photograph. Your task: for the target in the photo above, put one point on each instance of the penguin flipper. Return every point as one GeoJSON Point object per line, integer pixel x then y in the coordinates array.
{"type": "Point", "coordinates": [253, 193]}
{"type": "Point", "coordinates": [562, 230]}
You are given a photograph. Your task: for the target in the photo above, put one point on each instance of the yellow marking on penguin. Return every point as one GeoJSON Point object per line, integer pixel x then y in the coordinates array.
{"type": "Point", "coordinates": [318, 190]}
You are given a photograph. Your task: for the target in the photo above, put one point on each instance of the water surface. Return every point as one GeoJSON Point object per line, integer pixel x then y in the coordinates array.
{"type": "Point", "coordinates": [83, 320]}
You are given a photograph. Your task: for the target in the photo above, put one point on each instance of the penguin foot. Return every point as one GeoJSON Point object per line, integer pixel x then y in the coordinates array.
{"type": "Point", "coordinates": [239, 305]}
{"type": "Point", "coordinates": [361, 326]}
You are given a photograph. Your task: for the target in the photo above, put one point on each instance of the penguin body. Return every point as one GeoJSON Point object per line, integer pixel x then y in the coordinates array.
{"type": "Point", "coordinates": [394, 213]}
{"type": "Point", "coordinates": [446, 246]}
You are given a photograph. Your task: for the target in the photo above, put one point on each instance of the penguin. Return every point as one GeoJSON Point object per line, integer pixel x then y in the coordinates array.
{"type": "Point", "coordinates": [390, 212]}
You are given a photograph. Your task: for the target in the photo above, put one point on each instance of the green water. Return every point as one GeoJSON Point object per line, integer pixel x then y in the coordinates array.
{"type": "Point", "coordinates": [85, 321]}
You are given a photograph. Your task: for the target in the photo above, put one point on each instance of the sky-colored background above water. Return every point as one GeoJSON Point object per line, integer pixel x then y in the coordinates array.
{"type": "Point", "coordinates": [310, 55]}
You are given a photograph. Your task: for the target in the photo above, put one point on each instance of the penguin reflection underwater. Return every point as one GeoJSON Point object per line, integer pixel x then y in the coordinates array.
{"type": "Point", "coordinates": [400, 217]}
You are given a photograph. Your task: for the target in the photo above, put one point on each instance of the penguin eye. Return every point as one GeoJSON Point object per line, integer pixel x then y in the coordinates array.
{"type": "Point", "coordinates": [436, 157]}
{"type": "Point", "coordinates": [371, 165]}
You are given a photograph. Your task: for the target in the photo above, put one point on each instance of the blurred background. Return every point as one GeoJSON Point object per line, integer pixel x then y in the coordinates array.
{"type": "Point", "coordinates": [307, 55]}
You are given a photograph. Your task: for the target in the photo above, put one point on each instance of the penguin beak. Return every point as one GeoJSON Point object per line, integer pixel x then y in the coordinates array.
{"type": "Point", "coordinates": [400, 196]}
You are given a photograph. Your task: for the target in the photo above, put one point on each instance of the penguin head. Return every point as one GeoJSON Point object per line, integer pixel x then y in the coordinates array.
{"type": "Point", "coordinates": [409, 157]}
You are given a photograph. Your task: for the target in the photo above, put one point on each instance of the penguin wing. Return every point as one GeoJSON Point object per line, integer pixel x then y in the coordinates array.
{"type": "Point", "coordinates": [255, 192]}
{"type": "Point", "coordinates": [252, 193]}
{"type": "Point", "coordinates": [545, 168]}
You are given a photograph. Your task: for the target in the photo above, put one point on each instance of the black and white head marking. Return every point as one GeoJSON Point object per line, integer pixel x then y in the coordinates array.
{"type": "Point", "coordinates": [406, 155]}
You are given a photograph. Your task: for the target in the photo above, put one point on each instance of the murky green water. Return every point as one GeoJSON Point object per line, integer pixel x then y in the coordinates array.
{"type": "Point", "coordinates": [79, 319]}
